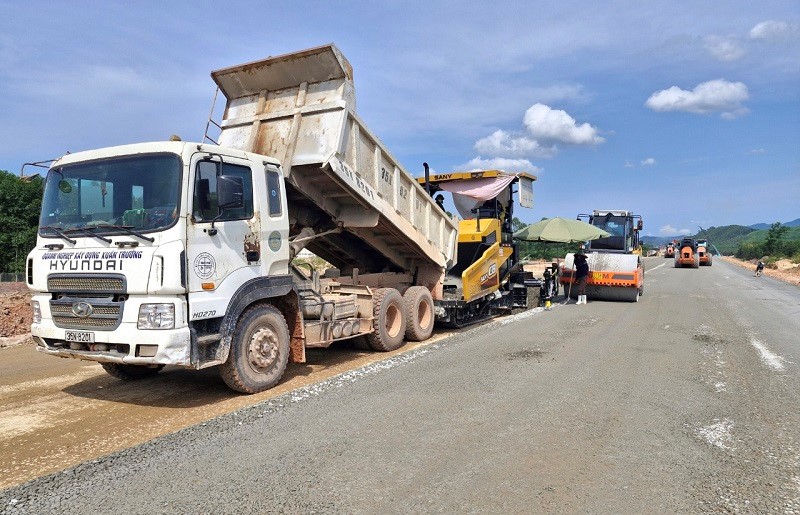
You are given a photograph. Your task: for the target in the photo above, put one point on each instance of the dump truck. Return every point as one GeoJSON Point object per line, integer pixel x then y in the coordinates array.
{"type": "Point", "coordinates": [669, 253]}
{"type": "Point", "coordinates": [686, 254]}
{"type": "Point", "coordinates": [616, 269]}
{"type": "Point", "coordinates": [703, 253]}
{"type": "Point", "coordinates": [487, 278]}
{"type": "Point", "coordinates": [181, 253]}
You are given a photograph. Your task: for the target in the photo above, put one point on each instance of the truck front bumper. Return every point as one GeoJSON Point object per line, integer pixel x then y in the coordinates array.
{"type": "Point", "coordinates": [126, 344]}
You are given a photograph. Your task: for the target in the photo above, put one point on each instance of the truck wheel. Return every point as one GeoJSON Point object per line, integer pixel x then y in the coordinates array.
{"type": "Point", "coordinates": [259, 351]}
{"type": "Point", "coordinates": [131, 372]}
{"type": "Point", "coordinates": [418, 304]}
{"type": "Point", "coordinates": [389, 321]}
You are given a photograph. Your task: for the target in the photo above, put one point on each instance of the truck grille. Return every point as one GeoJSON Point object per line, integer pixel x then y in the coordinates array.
{"type": "Point", "coordinates": [77, 313]}
{"type": "Point", "coordinates": [86, 283]}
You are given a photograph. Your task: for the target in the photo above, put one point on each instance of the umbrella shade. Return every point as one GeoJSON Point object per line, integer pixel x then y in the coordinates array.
{"type": "Point", "coordinates": [560, 230]}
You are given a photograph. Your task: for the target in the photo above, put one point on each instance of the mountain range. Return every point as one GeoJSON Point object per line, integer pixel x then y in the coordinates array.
{"type": "Point", "coordinates": [727, 238]}
{"type": "Point", "coordinates": [793, 223]}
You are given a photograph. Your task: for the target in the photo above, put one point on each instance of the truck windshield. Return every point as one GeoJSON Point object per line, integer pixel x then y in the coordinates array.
{"type": "Point", "coordinates": [138, 193]}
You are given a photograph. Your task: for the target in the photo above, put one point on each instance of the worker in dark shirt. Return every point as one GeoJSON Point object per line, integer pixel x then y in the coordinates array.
{"type": "Point", "coordinates": [581, 275]}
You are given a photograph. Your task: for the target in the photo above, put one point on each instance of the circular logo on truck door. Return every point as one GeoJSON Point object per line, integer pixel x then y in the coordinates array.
{"type": "Point", "coordinates": [204, 265]}
{"type": "Point", "coordinates": [274, 241]}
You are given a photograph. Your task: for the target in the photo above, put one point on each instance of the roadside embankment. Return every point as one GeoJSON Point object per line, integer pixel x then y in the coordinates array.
{"type": "Point", "coordinates": [785, 270]}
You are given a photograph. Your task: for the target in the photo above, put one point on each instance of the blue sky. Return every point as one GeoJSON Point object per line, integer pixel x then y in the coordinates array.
{"type": "Point", "coordinates": [686, 112]}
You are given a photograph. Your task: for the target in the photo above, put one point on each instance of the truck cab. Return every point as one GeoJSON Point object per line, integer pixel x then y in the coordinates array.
{"type": "Point", "coordinates": [139, 243]}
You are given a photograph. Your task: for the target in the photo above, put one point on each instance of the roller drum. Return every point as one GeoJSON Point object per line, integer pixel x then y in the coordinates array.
{"type": "Point", "coordinates": [609, 263]}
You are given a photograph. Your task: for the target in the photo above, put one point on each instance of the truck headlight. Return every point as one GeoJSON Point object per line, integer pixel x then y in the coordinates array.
{"type": "Point", "coordinates": [156, 316]}
{"type": "Point", "coordinates": [37, 312]}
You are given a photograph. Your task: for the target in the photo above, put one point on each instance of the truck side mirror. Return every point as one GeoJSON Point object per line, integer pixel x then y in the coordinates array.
{"type": "Point", "coordinates": [230, 192]}
{"type": "Point", "coordinates": [639, 225]}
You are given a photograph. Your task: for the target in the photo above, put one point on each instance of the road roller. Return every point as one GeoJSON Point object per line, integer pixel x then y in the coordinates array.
{"type": "Point", "coordinates": [704, 252]}
{"type": "Point", "coordinates": [616, 269]}
{"type": "Point", "coordinates": [687, 255]}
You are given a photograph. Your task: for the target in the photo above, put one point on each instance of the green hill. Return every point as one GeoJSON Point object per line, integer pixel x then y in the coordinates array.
{"type": "Point", "coordinates": [747, 242]}
{"type": "Point", "coordinates": [727, 238]}
{"type": "Point", "coordinates": [760, 236]}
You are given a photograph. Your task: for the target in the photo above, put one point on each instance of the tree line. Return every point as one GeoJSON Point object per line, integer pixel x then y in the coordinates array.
{"type": "Point", "coordinates": [774, 246]}
{"type": "Point", "coordinates": [20, 203]}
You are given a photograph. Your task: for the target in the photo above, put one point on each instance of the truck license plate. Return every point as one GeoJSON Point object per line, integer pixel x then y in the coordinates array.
{"type": "Point", "coordinates": [80, 336]}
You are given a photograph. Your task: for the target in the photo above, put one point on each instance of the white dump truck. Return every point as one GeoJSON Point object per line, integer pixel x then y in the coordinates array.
{"type": "Point", "coordinates": [177, 253]}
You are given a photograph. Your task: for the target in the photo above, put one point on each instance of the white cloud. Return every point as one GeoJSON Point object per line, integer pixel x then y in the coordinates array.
{"type": "Point", "coordinates": [549, 124]}
{"type": "Point", "coordinates": [629, 164]}
{"type": "Point", "coordinates": [543, 123]}
{"type": "Point", "coordinates": [713, 96]}
{"type": "Point", "coordinates": [650, 161]}
{"type": "Point", "coordinates": [724, 49]}
{"type": "Point", "coordinates": [668, 230]}
{"type": "Point", "coordinates": [756, 151]}
{"type": "Point", "coordinates": [498, 163]}
{"type": "Point", "coordinates": [503, 144]}
{"type": "Point", "coordinates": [772, 29]}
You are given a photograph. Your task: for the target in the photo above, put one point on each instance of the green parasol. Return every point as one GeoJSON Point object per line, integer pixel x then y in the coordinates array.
{"type": "Point", "coordinates": [560, 230]}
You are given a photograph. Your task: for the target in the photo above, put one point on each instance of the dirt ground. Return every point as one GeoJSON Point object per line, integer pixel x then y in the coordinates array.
{"type": "Point", "coordinates": [15, 310]}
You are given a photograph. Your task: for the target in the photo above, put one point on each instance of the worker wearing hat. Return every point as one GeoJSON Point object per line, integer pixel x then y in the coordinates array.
{"type": "Point", "coordinates": [581, 275]}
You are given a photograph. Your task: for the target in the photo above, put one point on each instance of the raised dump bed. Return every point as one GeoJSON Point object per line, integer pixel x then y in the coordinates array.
{"type": "Point", "coordinates": [342, 181]}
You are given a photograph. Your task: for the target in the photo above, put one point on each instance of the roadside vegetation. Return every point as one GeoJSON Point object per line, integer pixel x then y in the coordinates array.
{"type": "Point", "coordinates": [776, 243]}
{"type": "Point", "coordinates": [20, 203]}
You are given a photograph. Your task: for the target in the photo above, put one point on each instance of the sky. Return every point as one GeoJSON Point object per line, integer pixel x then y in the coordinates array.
{"type": "Point", "coordinates": [685, 112]}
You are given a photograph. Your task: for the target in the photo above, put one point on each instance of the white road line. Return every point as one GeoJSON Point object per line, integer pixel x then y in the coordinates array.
{"type": "Point", "coordinates": [656, 267]}
{"type": "Point", "coordinates": [769, 358]}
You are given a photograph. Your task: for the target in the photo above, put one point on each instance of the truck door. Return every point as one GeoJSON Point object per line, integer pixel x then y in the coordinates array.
{"type": "Point", "coordinates": [220, 255]}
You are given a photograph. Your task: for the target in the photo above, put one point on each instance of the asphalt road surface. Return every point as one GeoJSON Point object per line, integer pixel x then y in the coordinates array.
{"type": "Point", "coordinates": [686, 401]}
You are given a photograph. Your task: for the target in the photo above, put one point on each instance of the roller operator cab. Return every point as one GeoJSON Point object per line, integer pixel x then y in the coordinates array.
{"type": "Point", "coordinates": [616, 269]}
